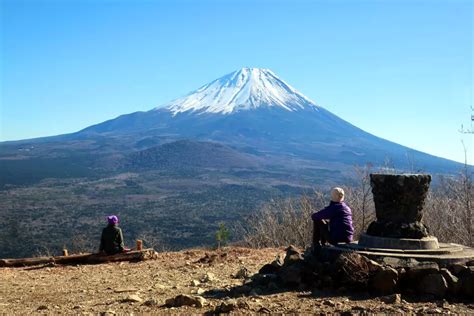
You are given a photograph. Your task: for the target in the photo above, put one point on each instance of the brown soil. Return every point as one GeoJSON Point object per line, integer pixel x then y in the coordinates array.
{"type": "Point", "coordinates": [98, 289]}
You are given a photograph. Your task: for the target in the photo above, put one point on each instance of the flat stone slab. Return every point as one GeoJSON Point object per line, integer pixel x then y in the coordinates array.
{"type": "Point", "coordinates": [369, 241]}
{"type": "Point", "coordinates": [451, 253]}
{"type": "Point", "coordinates": [443, 249]}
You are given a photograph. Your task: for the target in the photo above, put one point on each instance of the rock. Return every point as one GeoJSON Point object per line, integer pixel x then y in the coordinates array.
{"type": "Point", "coordinates": [185, 300]}
{"type": "Point", "coordinates": [227, 306]}
{"type": "Point", "coordinates": [293, 255]}
{"type": "Point", "coordinates": [291, 275]}
{"type": "Point", "coordinates": [470, 263]}
{"type": "Point", "coordinates": [392, 299]}
{"type": "Point", "coordinates": [453, 281]}
{"type": "Point", "coordinates": [195, 283]}
{"type": "Point", "coordinates": [412, 278]}
{"type": "Point", "coordinates": [198, 291]}
{"type": "Point", "coordinates": [108, 313]}
{"type": "Point", "coordinates": [329, 303]}
{"type": "Point", "coordinates": [433, 284]}
{"type": "Point", "coordinates": [208, 277]}
{"type": "Point", "coordinates": [269, 269]}
{"type": "Point", "coordinates": [467, 284]}
{"type": "Point", "coordinates": [385, 281]}
{"type": "Point", "coordinates": [350, 268]}
{"type": "Point", "coordinates": [400, 263]}
{"type": "Point", "coordinates": [42, 308]}
{"type": "Point", "coordinates": [457, 269]}
{"type": "Point", "coordinates": [243, 273]}
{"type": "Point", "coordinates": [132, 299]}
{"type": "Point", "coordinates": [263, 279]}
{"type": "Point", "coordinates": [374, 266]}
{"type": "Point", "coordinates": [151, 302]}
{"type": "Point", "coordinates": [279, 261]}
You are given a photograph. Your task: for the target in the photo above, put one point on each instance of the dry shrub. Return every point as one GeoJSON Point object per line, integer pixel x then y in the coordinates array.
{"type": "Point", "coordinates": [448, 213]}
{"type": "Point", "coordinates": [448, 209]}
{"type": "Point", "coordinates": [282, 223]}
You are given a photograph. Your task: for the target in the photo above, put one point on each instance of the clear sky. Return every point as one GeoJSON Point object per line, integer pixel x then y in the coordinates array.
{"type": "Point", "coordinates": [402, 70]}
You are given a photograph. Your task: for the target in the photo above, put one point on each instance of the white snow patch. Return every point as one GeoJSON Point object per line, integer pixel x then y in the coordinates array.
{"type": "Point", "coordinates": [245, 89]}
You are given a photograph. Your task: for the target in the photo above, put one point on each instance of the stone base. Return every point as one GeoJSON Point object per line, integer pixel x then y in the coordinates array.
{"type": "Point", "coordinates": [447, 254]}
{"type": "Point", "coordinates": [414, 230]}
{"type": "Point", "coordinates": [368, 241]}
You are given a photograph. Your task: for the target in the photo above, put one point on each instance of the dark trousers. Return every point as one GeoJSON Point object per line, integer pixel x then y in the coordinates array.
{"type": "Point", "coordinates": [320, 232]}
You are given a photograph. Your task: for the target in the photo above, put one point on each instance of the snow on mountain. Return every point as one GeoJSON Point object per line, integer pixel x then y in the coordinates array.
{"type": "Point", "coordinates": [247, 88]}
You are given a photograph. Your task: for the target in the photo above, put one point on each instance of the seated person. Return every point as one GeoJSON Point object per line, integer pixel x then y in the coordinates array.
{"type": "Point", "coordinates": [339, 216]}
{"type": "Point", "coordinates": [111, 241]}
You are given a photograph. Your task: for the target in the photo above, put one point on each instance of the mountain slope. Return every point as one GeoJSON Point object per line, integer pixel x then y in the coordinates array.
{"type": "Point", "coordinates": [189, 154]}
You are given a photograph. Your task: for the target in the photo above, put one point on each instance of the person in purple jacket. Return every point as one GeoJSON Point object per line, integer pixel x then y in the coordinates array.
{"type": "Point", "coordinates": [339, 215]}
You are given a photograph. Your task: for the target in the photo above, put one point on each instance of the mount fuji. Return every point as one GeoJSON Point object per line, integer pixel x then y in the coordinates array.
{"type": "Point", "coordinates": [255, 111]}
{"type": "Point", "coordinates": [259, 119]}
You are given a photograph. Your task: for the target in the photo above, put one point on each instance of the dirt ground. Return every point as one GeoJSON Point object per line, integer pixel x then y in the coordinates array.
{"type": "Point", "coordinates": [108, 289]}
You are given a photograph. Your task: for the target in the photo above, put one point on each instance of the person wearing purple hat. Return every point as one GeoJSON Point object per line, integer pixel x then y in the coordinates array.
{"type": "Point", "coordinates": [111, 241]}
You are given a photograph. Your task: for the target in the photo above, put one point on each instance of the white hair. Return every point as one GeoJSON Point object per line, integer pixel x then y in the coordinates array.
{"type": "Point", "coordinates": [337, 194]}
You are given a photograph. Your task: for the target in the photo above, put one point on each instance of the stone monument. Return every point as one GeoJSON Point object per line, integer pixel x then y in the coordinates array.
{"type": "Point", "coordinates": [399, 230]}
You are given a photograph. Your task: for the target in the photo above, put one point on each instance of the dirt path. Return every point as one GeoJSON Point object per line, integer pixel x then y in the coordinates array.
{"type": "Point", "coordinates": [105, 289]}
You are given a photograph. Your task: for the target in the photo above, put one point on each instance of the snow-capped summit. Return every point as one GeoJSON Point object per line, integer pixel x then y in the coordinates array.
{"type": "Point", "coordinates": [247, 88]}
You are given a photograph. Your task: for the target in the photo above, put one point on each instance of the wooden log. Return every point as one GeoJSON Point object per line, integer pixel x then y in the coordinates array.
{"type": "Point", "coordinates": [88, 258]}
{"type": "Point", "coordinates": [135, 255]}
{"type": "Point", "coordinates": [23, 262]}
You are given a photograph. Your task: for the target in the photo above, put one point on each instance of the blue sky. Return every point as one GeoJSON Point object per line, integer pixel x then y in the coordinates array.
{"type": "Point", "coordinates": [402, 70]}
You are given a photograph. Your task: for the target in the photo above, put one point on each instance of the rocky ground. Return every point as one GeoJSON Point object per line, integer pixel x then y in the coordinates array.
{"type": "Point", "coordinates": [204, 279]}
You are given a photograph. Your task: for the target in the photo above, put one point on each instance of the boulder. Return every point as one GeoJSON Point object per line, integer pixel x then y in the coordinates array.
{"type": "Point", "coordinates": [453, 281]}
{"type": "Point", "coordinates": [433, 284]}
{"type": "Point", "coordinates": [457, 269]}
{"type": "Point", "coordinates": [467, 284]}
{"type": "Point", "coordinates": [416, 273]}
{"type": "Point", "coordinates": [384, 281]}
{"type": "Point", "coordinates": [291, 275]}
{"type": "Point", "coordinates": [263, 279]}
{"type": "Point", "coordinates": [185, 300]}
{"type": "Point", "coordinates": [293, 255]}
{"type": "Point", "coordinates": [351, 269]}
{"type": "Point", "coordinates": [269, 269]}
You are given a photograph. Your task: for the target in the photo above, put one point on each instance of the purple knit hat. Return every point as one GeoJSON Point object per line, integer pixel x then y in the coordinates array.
{"type": "Point", "coordinates": [112, 219]}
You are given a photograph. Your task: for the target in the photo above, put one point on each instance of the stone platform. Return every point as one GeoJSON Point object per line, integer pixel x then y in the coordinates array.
{"type": "Point", "coordinates": [446, 254]}
{"type": "Point", "coordinates": [369, 241]}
